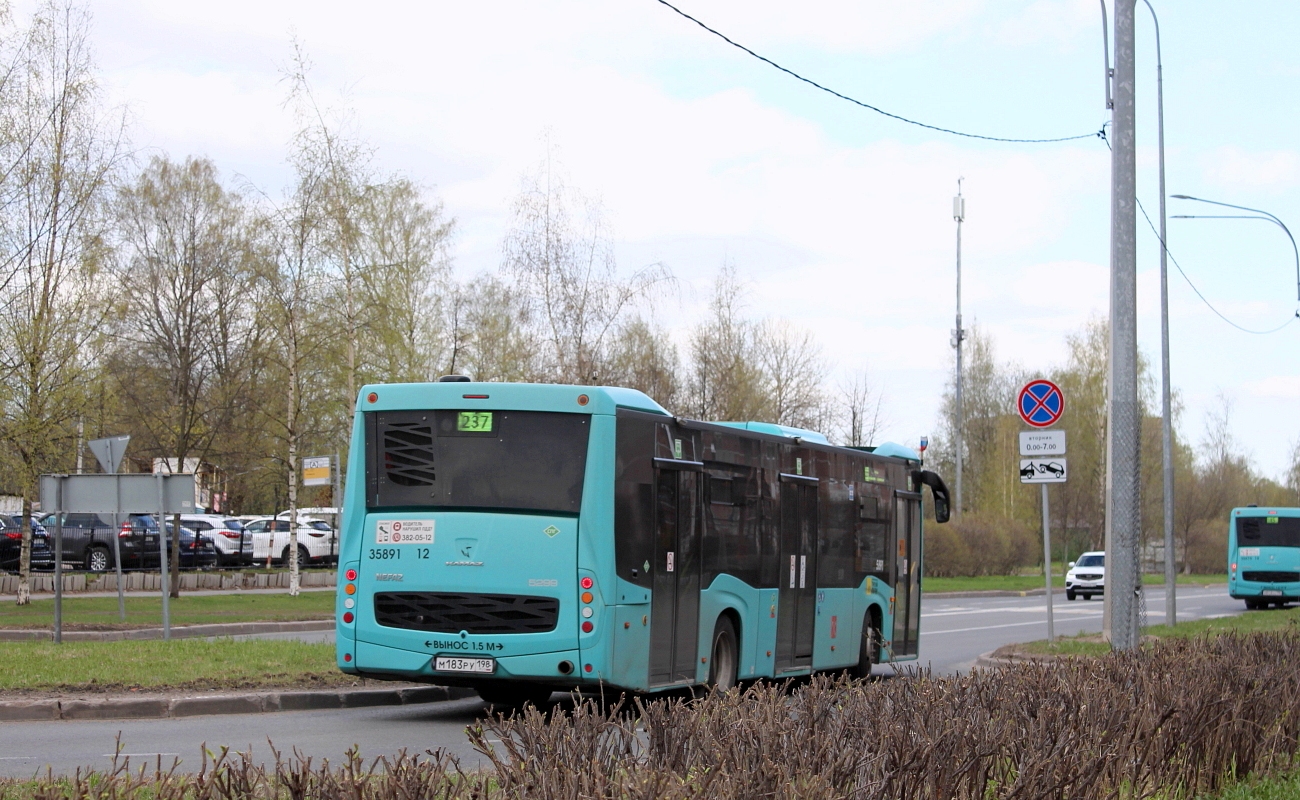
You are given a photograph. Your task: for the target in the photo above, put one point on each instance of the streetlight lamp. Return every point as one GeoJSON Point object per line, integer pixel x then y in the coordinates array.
{"type": "Point", "coordinates": [1255, 213]}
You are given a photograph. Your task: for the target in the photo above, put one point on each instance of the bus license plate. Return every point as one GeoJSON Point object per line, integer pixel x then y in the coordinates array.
{"type": "Point", "coordinates": [485, 666]}
{"type": "Point", "coordinates": [1272, 592]}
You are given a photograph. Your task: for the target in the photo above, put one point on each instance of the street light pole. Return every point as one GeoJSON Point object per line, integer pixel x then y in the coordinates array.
{"type": "Point", "coordinates": [958, 335]}
{"type": "Point", "coordinates": [1166, 413]}
{"type": "Point", "coordinates": [1255, 213]}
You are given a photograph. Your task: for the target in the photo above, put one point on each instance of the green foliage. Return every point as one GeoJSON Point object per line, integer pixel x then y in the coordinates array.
{"type": "Point", "coordinates": [148, 665]}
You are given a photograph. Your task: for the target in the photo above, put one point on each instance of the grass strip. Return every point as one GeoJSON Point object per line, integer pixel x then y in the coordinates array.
{"type": "Point", "coordinates": [1090, 644]}
{"type": "Point", "coordinates": [100, 613]}
{"type": "Point", "coordinates": [1024, 583]}
{"type": "Point", "coordinates": [153, 665]}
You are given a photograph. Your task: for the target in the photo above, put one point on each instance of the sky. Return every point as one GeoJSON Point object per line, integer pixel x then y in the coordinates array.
{"type": "Point", "coordinates": [838, 219]}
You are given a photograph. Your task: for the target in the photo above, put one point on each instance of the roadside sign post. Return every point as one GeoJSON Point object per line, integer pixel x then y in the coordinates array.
{"type": "Point", "coordinates": [58, 567]}
{"type": "Point", "coordinates": [108, 452]}
{"type": "Point", "coordinates": [164, 570]}
{"type": "Point", "coordinates": [1040, 404]}
{"type": "Point", "coordinates": [109, 493]}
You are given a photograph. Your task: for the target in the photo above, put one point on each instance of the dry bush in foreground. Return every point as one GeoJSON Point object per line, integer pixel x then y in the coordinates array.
{"type": "Point", "coordinates": [1175, 721]}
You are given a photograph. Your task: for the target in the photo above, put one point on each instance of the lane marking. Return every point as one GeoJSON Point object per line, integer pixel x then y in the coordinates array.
{"type": "Point", "coordinates": [136, 755]}
{"type": "Point", "coordinates": [994, 627]}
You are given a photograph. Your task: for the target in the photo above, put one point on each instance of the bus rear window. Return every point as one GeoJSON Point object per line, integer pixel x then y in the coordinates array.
{"type": "Point", "coordinates": [1268, 531]}
{"type": "Point", "coordinates": [517, 460]}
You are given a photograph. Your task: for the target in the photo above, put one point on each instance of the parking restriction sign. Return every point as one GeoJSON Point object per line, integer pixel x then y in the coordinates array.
{"type": "Point", "coordinates": [1040, 403]}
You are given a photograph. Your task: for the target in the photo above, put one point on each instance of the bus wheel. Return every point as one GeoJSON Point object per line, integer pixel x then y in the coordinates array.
{"type": "Point", "coordinates": [1253, 605]}
{"type": "Point", "coordinates": [506, 696]}
{"type": "Point", "coordinates": [868, 650]}
{"type": "Point", "coordinates": [724, 661]}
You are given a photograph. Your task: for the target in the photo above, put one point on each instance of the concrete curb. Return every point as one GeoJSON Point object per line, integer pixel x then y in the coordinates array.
{"type": "Point", "coordinates": [179, 632]}
{"type": "Point", "coordinates": [246, 703]}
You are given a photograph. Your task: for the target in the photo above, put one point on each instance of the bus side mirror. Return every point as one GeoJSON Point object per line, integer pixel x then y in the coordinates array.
{"type": "Point", "coordinates": [938, 489]}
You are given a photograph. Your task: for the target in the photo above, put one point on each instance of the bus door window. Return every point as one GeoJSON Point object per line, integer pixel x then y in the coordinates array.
{"type": "Point", "coordinates": [675, 600]}
{"type": "Point", "coordinates": [798, 574]}
{"type": "Point", "coordinates": [873, 547]}
{"type": "Point", "coordinates": [907, 588]}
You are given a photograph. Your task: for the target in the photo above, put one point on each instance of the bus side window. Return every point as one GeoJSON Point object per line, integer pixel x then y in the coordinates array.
{"type": "Point", "coordinates": [730, 545]}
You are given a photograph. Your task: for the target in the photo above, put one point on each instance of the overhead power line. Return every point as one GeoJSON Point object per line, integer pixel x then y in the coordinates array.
{"type": "Point", "coordinates": [868, 106]}
{"type": "Point", "coordinates": [1208, 304]}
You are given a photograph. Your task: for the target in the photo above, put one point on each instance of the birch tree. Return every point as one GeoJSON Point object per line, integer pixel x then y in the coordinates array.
{"type": "Point", "coordinates": [61, 151]}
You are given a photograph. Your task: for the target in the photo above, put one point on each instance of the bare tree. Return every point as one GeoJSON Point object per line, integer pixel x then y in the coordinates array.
{"type": "Point", "coordinates": [643, 357]}
{"type": "Point", "coordinates": [860, 420]}
{"type": "Point", "coordinates": [793, 371]}
{"type": "Point", "coordinates": [560, 251]}
{"type": "Point", "coordinates": [61, 152]}
{"type": "Point", "coordinates": [185, 277]}
{"type": "Point", "coordinates": [726, 379]}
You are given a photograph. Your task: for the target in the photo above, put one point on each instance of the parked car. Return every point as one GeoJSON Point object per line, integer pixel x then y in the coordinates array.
{"type": "Point", "coordinates": [317, 541]}
{"type": "Point", "coordinates": [1087, 576]}
{"type": "Point", "coordinates": [234, 545]}
{"type": "Point", "coordinates": [11, 545]}
{"type": "Point", "coordinates": [88, 540]}
{"type": "Point", "coordinates": [197, 550]}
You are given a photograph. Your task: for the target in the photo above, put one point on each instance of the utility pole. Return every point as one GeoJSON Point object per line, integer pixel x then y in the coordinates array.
{"type": "Point", "coordinates": [1123, 586]}
{"type": "Point", "coordinates": [958, 335]}
{"type": "Point", "coordinates": [1166, 409]}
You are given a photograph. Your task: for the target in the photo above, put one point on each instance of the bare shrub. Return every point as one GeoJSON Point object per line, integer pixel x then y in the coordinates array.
{"type": "Point", "coordinates": [985, 545]}
{"type": "Point", "coordinates": [1175, 721]}
{"type": "Point", "coordinates": [946, 552]}
{"type": "Point", "coordinates": [1207, 546]}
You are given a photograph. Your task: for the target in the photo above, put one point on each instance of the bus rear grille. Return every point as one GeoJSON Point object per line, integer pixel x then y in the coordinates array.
{"type": "Point", "coordinates": [447, 612]}
{"type": "Point", "coordinates": [1264, 576]}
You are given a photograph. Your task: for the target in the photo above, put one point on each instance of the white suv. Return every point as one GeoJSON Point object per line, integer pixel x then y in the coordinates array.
{"type": "Point", "coordinates": [317, 541]}
{"type": "Point", "coordinates": [234, 546]}
{"type": "Point", "coordinates": [1087, 576]}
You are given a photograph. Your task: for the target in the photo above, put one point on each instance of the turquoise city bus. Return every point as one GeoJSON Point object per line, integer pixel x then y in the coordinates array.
{"type": "Point", "coordinates": [1264, 555]}
{"type": "Point", "coordinates": [521, 538]}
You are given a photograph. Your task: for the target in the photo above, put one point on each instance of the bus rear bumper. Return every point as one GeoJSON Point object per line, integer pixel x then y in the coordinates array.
{"type": "Point", "coordinates": [374, 660]}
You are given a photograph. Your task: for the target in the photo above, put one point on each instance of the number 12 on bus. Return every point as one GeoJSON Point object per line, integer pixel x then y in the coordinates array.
{"type": "Point", "coordinates": [520, 539]}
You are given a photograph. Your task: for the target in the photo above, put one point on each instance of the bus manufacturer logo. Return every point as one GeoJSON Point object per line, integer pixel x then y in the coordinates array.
{"type": "Point", "coordinates": [389, 576]}
{"type": "Point", "coordinates": [550, 530]}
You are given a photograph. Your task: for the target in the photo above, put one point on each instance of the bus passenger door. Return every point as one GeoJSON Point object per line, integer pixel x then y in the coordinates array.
{"type": "Point", "coordinates": [675, 600]}
{"type": "Point", "coordinates": [907, 573]}
{"type": "Point", "coordinates": [796, 618]}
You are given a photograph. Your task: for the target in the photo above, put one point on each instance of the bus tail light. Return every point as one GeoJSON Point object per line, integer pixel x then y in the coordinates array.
{"type": "Point", "coordinates": [347, 617]}
{"type": "Point", "coordinates": [587, 627]}
{"type": "Point", "coordinates": [1234, 568]}
{"type": "Point", "coordinates": [351, 575]}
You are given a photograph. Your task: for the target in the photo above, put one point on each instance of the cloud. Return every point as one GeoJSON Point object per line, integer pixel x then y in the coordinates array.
{"type": "Point", "coordinates": [1232, 166]}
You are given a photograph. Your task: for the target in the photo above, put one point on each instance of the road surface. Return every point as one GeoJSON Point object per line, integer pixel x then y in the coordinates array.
{"type": "Point", "coordinates": [954, 632]}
